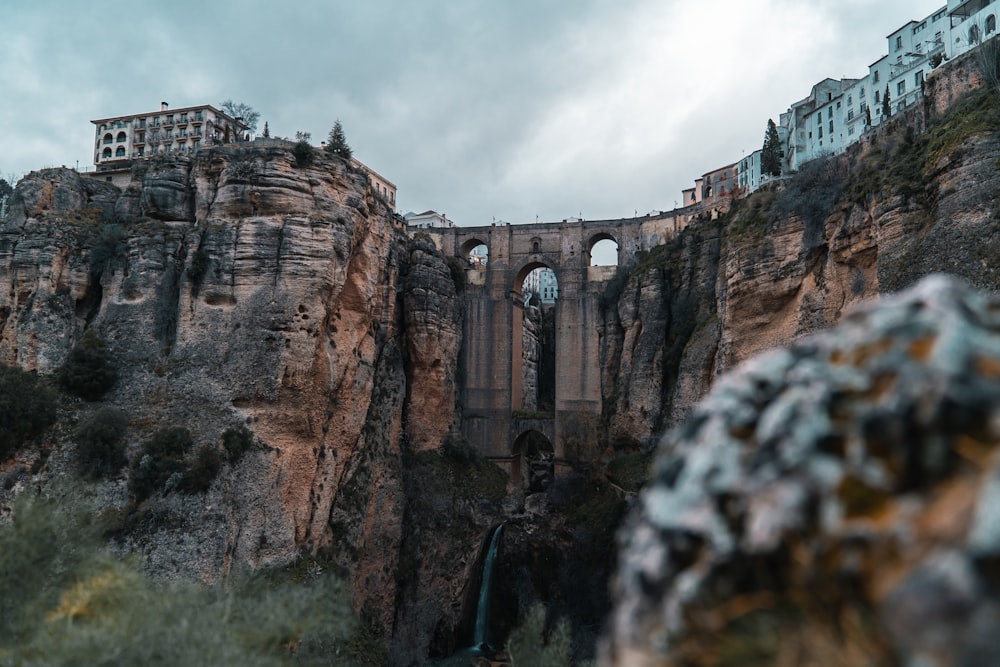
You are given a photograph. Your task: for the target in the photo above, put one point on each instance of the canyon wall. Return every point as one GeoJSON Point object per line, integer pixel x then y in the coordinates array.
{"type": "Point", "coordinates": [236, 288]}
{"type": "Point", "coordinates": [790, 259]}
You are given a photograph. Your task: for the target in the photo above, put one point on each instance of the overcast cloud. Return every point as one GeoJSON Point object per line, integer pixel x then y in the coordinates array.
{"type": "Point", "coordinates": [480, 109]}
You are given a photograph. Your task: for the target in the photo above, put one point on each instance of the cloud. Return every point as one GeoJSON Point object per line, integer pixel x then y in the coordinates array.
{"type": "Point", "coordinates": [475, 108]}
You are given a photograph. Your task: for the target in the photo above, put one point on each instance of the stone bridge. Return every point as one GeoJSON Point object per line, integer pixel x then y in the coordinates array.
{"type": "Point", "coordinates": [491, 367]}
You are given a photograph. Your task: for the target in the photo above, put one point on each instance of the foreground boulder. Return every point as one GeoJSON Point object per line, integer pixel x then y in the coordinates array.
{"type": "Point", "coordinates": [833, 503]}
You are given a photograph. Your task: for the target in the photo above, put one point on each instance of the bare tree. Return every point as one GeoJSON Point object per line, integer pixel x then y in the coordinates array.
{"type": "Point", "coordinates": [243, 113]}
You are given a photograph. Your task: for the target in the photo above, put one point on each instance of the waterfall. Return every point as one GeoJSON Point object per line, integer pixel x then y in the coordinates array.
{"type": "Point", "coordinates": [483, 606]}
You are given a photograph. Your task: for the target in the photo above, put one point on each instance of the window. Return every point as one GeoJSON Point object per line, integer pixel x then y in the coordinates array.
{"type": "Point", "coordinates": [918, 79]}
{"type": "Point", "coordinates": [838, 104]}
{"type": "Point", "coordinates": [108, 138]}
{"type": "Point", "coordinates": [829, 112]}
{"type": "Point", "coordinates": [850, 130]}
{"type": "Point", "coordinates": [850, 100]}
{"type": "Point", "coordinates": [991, 23]}
{"type": "Point", "coordinates": [875, 79]}
{"type": "Point", "coordinates": [120, 152]}
{"type": "Point", "coordinates": [121, 137]}
{"type": "Point", "coordinates": [877, 98]}
{"type": "Point", "coordinates": [899, 42]}
{"type": "Point", "coordinates": [901, 88]}
{"type": "Point", "coordinates": [831, 127]}
{"type": "Point", "coordinates": [170, 119]}
{"type": "Point", "coordinates": [106, 154]}
{"type": "Point", "coordinates": [821, 132]}
{"type": "Point", "coordinates": [974, 34]}
{"type": "Point", "coordinates": [850, 114]}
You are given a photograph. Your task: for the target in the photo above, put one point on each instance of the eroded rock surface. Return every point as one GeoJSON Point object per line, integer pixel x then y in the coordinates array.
{"type": "Point", "coordinates": [840, 492]}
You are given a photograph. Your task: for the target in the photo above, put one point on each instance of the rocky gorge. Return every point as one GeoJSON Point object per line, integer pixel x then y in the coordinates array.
{"type": "Point", "coordinates": [241, 289]}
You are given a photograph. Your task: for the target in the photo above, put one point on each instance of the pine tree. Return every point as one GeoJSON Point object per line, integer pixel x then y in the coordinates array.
{"type": "Point", "coordinates": [771, 154]}
{"type": "Point", "coordinates": [886, 103]}
{"type": "Point", "coordinates": [336, 144]}
{"type": "Point", "coordinates": [267, 131]}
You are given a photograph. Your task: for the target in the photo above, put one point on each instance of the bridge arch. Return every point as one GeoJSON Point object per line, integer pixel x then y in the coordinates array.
{"type": "Point", "coordinates": [533, 341]}
{"type": "Point", "coordinates": [476, 252]}
{"type": "Point", "coordinates": [532, 460]}
{"type": "Point", "coordinates": [601, 244]}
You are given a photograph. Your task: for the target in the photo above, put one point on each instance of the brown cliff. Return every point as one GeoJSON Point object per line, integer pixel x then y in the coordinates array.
{"type": "Point", "coordinates": [788, 260]}
{"type": "Point", "coordinates": [237, 288]}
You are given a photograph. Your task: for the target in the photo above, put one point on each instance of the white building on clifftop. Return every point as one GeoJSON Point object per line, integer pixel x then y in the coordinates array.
{"type": "Point", "coordinates": [120, 140]}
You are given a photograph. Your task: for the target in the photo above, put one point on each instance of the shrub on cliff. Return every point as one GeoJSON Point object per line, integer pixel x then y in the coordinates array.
{"type": "Point", "coordinates": [161, 458]}
{"type": "Point", "coordinates": [236, 440]}
{"type": "Point", "coordinates": [88, 371]}
{"type": "Point", "coordinates": [27, 408]}
{"type": "Point", "coordinates": [202, 470]}
{"type": "Point", "coordinates": [529, 646]}
{"type": "Point", "coordinates": [100, 449]}
{"type": "Point", "coordinates": [303, 152]}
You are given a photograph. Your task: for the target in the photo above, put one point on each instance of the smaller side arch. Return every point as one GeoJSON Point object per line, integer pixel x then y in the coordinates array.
{"type": "Point", "coordinates": [532, 461]}
{"type": "Point", "coordinates": [603, 249]}
{"type": "Point", "coordinates": [476, 252]}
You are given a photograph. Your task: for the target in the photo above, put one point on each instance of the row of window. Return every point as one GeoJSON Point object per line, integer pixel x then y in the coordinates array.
{"type": "Point", "coordinates": [120, 152]}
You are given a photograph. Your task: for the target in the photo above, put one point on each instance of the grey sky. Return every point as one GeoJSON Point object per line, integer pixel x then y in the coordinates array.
{"type": "Point", "coordinates": [480, 109]}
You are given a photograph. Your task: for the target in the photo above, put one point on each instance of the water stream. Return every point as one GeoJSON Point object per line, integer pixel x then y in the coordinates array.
{"type": "Point", "coordinates": [479, 639]}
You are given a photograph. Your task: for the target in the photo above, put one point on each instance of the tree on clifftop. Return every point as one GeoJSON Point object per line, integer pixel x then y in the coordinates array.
{"type": "Point", "coordinates": [771, 154]}
{"type": "Point", "coordinates": [336, 143]}
{"type": "Point", "coordinates": [242, 112]}
{"type": "Point", "coordinates": [886, 103]}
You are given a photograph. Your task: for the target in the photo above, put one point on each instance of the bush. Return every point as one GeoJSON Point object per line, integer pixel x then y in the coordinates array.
{"type": "Point", "coordinates": [88, 371]}
{"type": "Point", "coordinates": [529, 647]}
{"type": "Point", "coordinates": [161, 458]}
{"type": "Point", "coordinates": [202, 471]}
{"type": "Point", "coordinates": [236, 441]}
{"type": "Point", "coordinates": [303, 153]}
{"type": "Point", "coordinates": [67, 600]}
{"type": "Point", "coordinates": [108, 250]}
{"type": "Point", "coordinates": [100, 451]}
{"type": "Point", "coordinates": [27, 408]}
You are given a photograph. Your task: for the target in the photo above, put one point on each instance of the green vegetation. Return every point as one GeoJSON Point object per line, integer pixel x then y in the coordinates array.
{"type": "Point", "coordinates": [771, 155]}
{"type": "Point", "coordinates": [457, 268]}
{"type": "Point", "coordinates": [530, 646]}
{"type": "Point", "coordinates": [100, 448]}
{"type": "Point", "coordinates": [336, 143]}
{"type": "Point", "coordinates": [108, 249]}
{"type": "Point", "coordinates": [236, 440]}
{"type": "Point", "coordinates": [68, 601]}
{"type": "Point", "coordinates": [166, 462]}
{"type": "Point", "coordinates": [202, 470]}
{"type": "Point", "coordinates": [904, 162]}
{"type": "Point", "coordinates": [27, 409]}
{"type": "Point", "coordinates": [161, 458]}
{"type": "Point", "coordinates": [303, 153]}
{"type": "Point", "coordinates": [88, 371]}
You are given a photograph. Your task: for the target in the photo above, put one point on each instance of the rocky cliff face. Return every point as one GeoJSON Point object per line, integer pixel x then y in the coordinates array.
{"type": "Point", "coordinates": [235, 288]}
{"type": "Point", "coordinates": [789, 260]}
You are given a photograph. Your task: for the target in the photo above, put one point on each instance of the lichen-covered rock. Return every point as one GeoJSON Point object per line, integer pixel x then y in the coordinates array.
{"type": "Point", "coordinates": [848, 481]}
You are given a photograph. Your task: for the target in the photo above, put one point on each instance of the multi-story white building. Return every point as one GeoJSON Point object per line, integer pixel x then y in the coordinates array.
{"type": "Point", "coordinates": [750, 175]}
{"type": "Point", "coordinates": [427, 219]}
{"type": "Point", "coordinates": [969, 23]}
{"type": "Point", "coordinates": [541, 281]}
{"type": "Point", "coordinates": [120, 140]}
